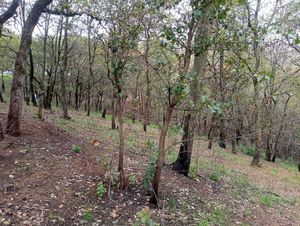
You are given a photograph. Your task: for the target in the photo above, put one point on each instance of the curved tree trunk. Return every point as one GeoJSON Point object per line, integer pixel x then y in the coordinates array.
{"type": "Point", "coordinates": [16, 100]}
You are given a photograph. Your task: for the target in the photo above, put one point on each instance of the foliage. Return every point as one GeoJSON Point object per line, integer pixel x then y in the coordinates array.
{"type": "Point", "coordinates": [247, 149]}
{"type": "Point", "coordinates": [132, 178]}
{"type": "Point", "coordinates": [150, 170]}
{"type": "Point", "coordinates": [101, 190]}
{"type": "Point", "coordinates": [76, 148]}
{"type": "Point", "coordinates": [144, 218]}
{"type": "Point", "coordinates": [88, 216]}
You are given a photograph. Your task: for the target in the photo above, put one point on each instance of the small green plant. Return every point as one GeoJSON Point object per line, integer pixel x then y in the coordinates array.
{"type": "Point", "coordinates": [132, 178]}
{"type": "Point", "coordinates": [149, 172]}
{"type": "Point", "coordinates": [217, 173]}
{"type": "Point", "coordinates": [144, 218]}
{"type": "Point", "coordinates": [88, 216]}
{"type": "Point", "coordinates": [193, 171]}
{"type": "Point", "coordinates": [76, 148]}
{"type": "Point", "coordinates": [101, 190]}
{"type": "Point", "coordinates": [247, 149]}
{"type": "Point", "coordinates": [270, 200]}
{"type": "Point", "coordinates": [217, 216]}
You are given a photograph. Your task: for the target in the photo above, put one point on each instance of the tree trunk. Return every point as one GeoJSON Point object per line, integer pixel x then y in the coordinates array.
{"type": "Point", "coordinates": [63, 96]}
{"type": "Point", "coordinates": [275, 154]}
{"type": "Point", "coordinates": [233, 146]}
{"type": "Point", "coordinates": [211, 130]}
{"type": "Point", "coordinates": [16, 100]}
{"type": "Point", "coordinates": [2, 85]}
{"type": "Point", "coordinates": [104, 113]}
{"type": "Point", "coordinates": [256, 116]}
{"type": "Point", "coordinates": [160, 161]}
{"type": "Point", "coordinates": [182, 163]}
{"type": "Point", "coordinates": [1, 97]}
{"type": "Point", "coordinates": [113, 114]}
{"type": "Point", "coordinates": [31, 80]}
{"type": "Point", "coordinates": [222, 125]}
{"type": "Point", "coordinates": [1, 133]}
{"type": "Point", "coordinates": [120, 106]}
{"type": "Point", "coordinates": [42, 86]}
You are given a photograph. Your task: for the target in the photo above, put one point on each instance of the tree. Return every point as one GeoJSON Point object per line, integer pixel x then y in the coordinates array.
{"type": "Point", "coordinates": [16, 100]}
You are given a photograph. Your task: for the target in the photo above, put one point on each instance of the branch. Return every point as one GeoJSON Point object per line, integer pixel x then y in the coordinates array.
{"type": "Point", "coordinates": [9, 12]}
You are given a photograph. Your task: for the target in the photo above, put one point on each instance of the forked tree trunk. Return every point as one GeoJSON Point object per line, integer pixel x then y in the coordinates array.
{"type": "Point", "coordinates": [160, 161]}
{"type": "Point", "coordinates": [182, 163]}
{"type": "Point", "coordinates": [16, 100]}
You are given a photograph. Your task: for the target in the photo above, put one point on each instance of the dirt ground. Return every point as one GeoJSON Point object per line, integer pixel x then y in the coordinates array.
{"type": "Point", "coordinates": [44, 182]}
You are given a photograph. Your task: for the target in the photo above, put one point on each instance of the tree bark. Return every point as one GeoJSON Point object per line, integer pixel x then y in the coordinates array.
{"type": "Point", "coordinates": [182, 163]}
{"type": "Point", "coordinates": [16, 100]}
{"type": "Point", "coordinates": [256, 117]}
{"type": "Point", "coordinates": [120, 106]}
{"type": "Point", "coordinates": [160, 161]}
{"type": "Point", "coordinates": [42, 84]}
{"type": "Point", "coordinates": [31, 80]}
{"type": "Point", "coordinates": [113, 114]}
{"type": "Point", "coordinates": [8, 13]}
{"type": "Point", "coordinates": [63, 96]}
{"type": "Point", "coordinates": [1, 133]}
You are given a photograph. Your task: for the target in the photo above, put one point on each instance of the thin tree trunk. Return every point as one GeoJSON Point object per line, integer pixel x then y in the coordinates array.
{"type": "Point", "coordinates": [113, 114]}
{"type": "Point", "coordinates": [256, 116]}
{"type": "Point", "coordinates": [280, 129]}
{"type": "Point", "coordinates": [120, 110]}
{"type": "Point", "coordinates": [16, 101]}
{"type": "Point", "coordinates": [160, 161]}
{"type": "Point", "coordinates": [63, 96]}
{"type": "Point", "coordinates": [1, 133]}
{"type": "Point", "coordinates": [31, 80]}
{"type": "Point", "coordinates": [3, 84]}
{"type": "Point", "coordinates": [42, 86]}
{"type": "Point", "coordinates": [222, 126]}
{"type": "Point", "coordinates": [211, 131]}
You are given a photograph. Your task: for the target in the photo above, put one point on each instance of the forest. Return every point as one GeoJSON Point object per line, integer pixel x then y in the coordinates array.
{"type": "Point", "coordinates": [150, 112]}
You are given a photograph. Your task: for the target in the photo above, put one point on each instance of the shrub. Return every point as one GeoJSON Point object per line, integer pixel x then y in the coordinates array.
{"type": "Point", "coordinates": [76, 148]}
{"type": "Point", "coordinates": [144, 218]}
{"type": "Point", "coordinates": [101, 190]}
{"type": "Point", "coordinates": [88, 216]}
{"type": "Point", "coordinates": [247, 149]}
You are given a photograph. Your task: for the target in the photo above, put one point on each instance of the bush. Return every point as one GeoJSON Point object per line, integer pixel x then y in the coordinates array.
{"type": "Point", "coordinates": [247, 149]}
